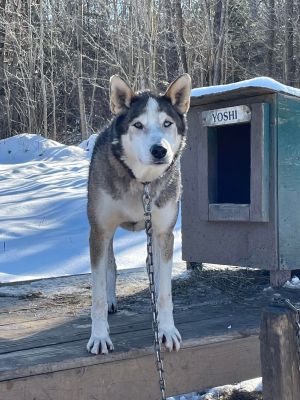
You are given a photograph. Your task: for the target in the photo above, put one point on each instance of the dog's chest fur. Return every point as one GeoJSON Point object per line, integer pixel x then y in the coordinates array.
{"type": "Point", "coordinates": [127, 210]}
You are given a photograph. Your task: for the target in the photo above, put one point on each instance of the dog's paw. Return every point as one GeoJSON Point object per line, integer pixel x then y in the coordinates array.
{"type": "Point", "coordinates": [170, 337]}
{"type": "Point", "coordinates": [100, 344]}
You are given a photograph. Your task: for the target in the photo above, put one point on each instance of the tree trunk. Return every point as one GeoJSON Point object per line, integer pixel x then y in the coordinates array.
{"type": "Point", "coordinates": [271, 38]}
{"type": "Point", "coordinates": [170, 48]}
{"type": "Point", "coordinates": [2, 43]}
{"type": "Point", "coordinates": [2, 72]}
{"type": "Point", "coordinates": [182, 42]}
{"type": "Point", "coordinates": [43, 80]}
{"type": "Point", "coordinates": [219, 39]}
{"type": "Point", "coordinates": [290, 63]}
{"type": "Point", "coordinates": [84, 132]}
{"type": "Point", "coordinates": [54, 134]}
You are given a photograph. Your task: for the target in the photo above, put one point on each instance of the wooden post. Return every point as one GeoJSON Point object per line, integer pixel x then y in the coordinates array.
{"type": "Point", "coordinates": [279, 354]}
{"type": "Point", "coordinates": [194, 265]}
{"type": "Point", "coordinates": [279, 277]}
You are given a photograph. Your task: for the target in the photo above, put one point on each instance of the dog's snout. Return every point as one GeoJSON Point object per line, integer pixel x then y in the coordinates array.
{"type": "Point", "coordinates": [158, 151]}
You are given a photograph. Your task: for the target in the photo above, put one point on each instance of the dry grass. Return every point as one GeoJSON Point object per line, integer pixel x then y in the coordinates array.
{"type": "Point", "coordinates": [236, 284]}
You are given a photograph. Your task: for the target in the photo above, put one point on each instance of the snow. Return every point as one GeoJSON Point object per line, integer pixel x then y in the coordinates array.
{"type": "Point", "coordinates": [252, 385]}
{"type": "Point", "coordinates": [88, 144]}
{"type": "Point", "coordinates": [25, 148]}
{"type": "Point", "coordinates": [294, 283]}
{"type": "Point", "coordinates": [260, 82]}
{"type": "Point", "coordinates": [43, 223]}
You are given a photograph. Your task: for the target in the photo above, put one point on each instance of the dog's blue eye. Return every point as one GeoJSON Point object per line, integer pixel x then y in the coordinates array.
{"type": "Point", "coordinates": [138, 125]}
{"type": "Point", "coordinates": [167, 124]}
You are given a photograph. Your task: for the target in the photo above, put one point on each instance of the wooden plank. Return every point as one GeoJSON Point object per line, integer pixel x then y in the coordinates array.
{"type": "Point", "coordinates": [66, 348]}
{"type": "Point", "coordinates": [196, 366]}
{"type": "Point", "coordinates": [259, 182]}
{"type": "Point", "coordinates": [279, 355]}
{"type": "Point", "coordinates": [195, 162]}
{"type": "Point", "coordinates": [229, 212]}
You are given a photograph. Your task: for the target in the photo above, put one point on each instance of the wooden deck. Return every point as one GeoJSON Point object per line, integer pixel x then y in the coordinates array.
{"type": "Point", "coordinates": [43, 355]}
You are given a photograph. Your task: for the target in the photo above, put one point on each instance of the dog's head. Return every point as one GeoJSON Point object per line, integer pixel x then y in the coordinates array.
{"type": "Point", "coordinates": [149, 129]}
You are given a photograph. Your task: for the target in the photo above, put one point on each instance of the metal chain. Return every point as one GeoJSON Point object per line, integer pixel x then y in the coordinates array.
{"type": "Point", "coordinates": [280, 301]}
{"type": "Point", "coordinates": [150, 271]}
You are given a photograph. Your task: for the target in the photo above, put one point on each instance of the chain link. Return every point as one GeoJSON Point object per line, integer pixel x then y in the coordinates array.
{"type": "Point", "coordinates": [280, 301]}
{"type": "Point", "coordinates": [150, 271]}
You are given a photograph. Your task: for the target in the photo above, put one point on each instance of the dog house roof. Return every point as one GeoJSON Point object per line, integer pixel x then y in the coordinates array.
{"type": "Point", "coordinates": [250, 87]}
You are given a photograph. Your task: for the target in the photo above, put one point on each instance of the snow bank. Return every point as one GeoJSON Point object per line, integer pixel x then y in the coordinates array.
{"type": "Point", "coordinates": [88, 145]}
{"type": "Point", "coordinates": [260, 82]}
{"type": "Point", "coordinates": [294, 283]}
{"type": "Point", "coordinates": [27, 147]}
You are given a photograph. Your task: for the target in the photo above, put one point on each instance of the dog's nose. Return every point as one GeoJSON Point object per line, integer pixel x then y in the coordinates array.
{"type": "Point", "coordinates": [158, 151]}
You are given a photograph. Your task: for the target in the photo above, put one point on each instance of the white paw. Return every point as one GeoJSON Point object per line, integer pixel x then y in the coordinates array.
{"type": "Point", "coordinates": [170, 337]}
{"type": "Point", "coordinates": [99, 342]}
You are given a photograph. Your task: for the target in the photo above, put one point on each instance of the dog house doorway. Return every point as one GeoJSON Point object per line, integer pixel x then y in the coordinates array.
{"type": "Point", "coordinates": [234, 163]}
{"type": "Point", "coordinates": [229, 157]}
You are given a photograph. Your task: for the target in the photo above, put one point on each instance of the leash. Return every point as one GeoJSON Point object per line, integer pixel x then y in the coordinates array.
{"type": "Point", "coordinates": [150, 270]}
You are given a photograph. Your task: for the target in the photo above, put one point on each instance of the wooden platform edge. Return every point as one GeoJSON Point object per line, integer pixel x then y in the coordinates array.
{"type": "Point", "coordinates": [199, 364]}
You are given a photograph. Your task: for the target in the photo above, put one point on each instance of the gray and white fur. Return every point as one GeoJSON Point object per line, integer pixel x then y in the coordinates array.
{"type": "Point", "coordinates": [143, 143]}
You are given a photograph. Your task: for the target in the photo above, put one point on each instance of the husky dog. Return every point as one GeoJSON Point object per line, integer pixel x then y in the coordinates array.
{"type": "Point", "coordinates": [143, 143]}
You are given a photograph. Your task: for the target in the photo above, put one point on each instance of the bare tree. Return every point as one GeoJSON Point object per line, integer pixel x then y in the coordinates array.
{"type": "Point", "coordinates": [2, 73]}
{"type": "Point", "coordinates": [84, 131]}
{"type": "Point", "coordinates": [182, 42]}
{"type": "Point", "coordinates": [56, 56]}
{"type": "Point", "coordinates": [289, 60]}
{"type": "Point", "coordinates": [43, 79]}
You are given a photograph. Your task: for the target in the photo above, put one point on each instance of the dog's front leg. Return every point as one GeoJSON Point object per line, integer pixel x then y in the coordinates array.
{"type": "Point", "coordinates": [99, 249]}
{"type": "Point", "coordinates": [111, 280]}
{"type": "Point", "coordinates": [168, 334]}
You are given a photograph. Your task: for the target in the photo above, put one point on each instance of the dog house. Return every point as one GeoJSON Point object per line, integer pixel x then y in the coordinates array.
{"type": "Point", "coordinates": [241, 178]}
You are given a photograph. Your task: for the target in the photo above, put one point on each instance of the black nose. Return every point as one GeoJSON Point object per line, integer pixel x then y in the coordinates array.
{"type": "Point", "coordinates": [158, 151]}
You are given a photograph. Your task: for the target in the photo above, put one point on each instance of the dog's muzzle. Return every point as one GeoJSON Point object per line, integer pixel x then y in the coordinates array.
{"type": "Point", "coordinates": [158, 152]}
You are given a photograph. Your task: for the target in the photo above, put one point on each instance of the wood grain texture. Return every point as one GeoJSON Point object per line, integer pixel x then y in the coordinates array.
{"type": "Point", "coordinates": [279, 355]}
{"type": "Point", "coordinates": [195, 366]}
{"type": "Point", "coordinates": [63, 346]}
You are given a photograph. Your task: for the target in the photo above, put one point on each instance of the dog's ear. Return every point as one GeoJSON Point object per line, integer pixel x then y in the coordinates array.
{"type": "Point", "coordinates": [120, 95]}
{"type": "Point", "coordinates": [179, 93]}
